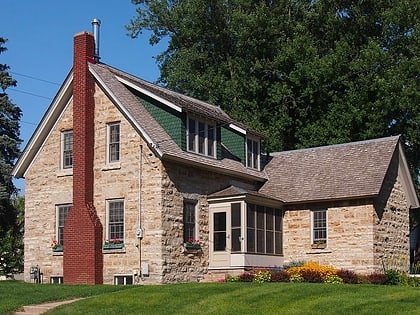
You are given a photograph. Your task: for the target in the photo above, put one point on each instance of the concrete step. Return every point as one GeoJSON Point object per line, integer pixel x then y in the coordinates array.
{"type": "Point", "coordinates": [42, 308]}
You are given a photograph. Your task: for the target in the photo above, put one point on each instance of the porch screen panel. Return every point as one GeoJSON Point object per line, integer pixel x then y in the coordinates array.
{"type": "Point", "coordinates": [236, 226]}
{"type": "Point", "coordinates": [260, 229]}
{"type": "Point", "coordinates": [219, 234]}
{"type": "Point", "coordinates": [250, 228]}
{"type": "Point", "coordinates": [278, 231]}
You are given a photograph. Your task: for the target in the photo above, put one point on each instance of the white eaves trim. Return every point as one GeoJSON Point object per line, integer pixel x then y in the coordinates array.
{"type": "Point", "coordinates": [145, 92]}
{"type": "Point", "coordinates": [122, 107]}
{"type": "Point", "coordinates": [44, 128]}
{"type": "Point", "coordinates": [238, 129]}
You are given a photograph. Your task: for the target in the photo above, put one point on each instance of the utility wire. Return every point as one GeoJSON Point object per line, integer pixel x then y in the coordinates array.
{"type": "Point", "coordinates": [34, 78]}
{"type": "Point", "coordinates": [32, 94]}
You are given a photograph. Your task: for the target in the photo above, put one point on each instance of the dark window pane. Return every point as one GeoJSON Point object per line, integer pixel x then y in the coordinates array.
{"type": "Point", "coordinates": [189, 221]}
{"type": "Point", "coordinates": [269, 219]}
{"type": "Point", "coordinates": [278, 243]}
{"type": "Point", "coordinates": [219, 231]}
{"type": "Point", "coordinates": [269, 242]}
{"type": "Point", "coordinates": [236, 240]}
{"type": "Point", "coordinates": [250, 239]}
{"type": "Point", "coordinates": [236, 214]}
{"type": "Point", "coordinates": [260, 217]}
{"type": "Point", "coordinates": [260, 241]}
{"type": "Point", "coordinates": [250, 215]}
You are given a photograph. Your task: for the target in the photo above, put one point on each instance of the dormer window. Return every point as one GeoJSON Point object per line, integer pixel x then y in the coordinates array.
{"type": "Point", "coordinates": [201, 137]}
{"type": "Point", "coordinates": [253, 153]}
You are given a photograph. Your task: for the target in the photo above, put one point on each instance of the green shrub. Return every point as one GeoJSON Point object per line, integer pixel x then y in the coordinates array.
{"type": "Point", "coordinates": [333, 279]}
{"type": "Point", "coordinates": [232, 278]}
{"type": "Point", "coordinates": [296, 278]}
{"type": "Point", "coordinates": [293, 264]}
{"type": "Point", "coordinates": [262, 276]}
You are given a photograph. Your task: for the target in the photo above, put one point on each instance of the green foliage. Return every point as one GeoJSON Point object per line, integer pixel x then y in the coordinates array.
{"type": "Point", "coordinates": [11, 247]}
{"type": "Point", "coordinates": [262, 276]}
{"type": "Point", "coordinates": [305, 73]}
{"type": "Point", "coordinates": [333, 279]}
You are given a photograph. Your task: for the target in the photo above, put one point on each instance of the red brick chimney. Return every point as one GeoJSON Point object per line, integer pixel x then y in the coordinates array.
{"type": "Point", "coordinates": [83, 259]}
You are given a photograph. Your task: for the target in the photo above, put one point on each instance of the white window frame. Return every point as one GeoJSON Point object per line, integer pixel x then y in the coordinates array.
{"type": "Point", "coordinates": [314, 239]}
{"type": "Point", "coordinates": [64, 135]}
{"type": "Point", "coordinates": [109, 147]}
{"type": "Point", "coordinates": [192, 203]}
{"type": "Point", "coordinates": [209, 129]}
{"type": "Point", "coordinates": [253, 154]}
{"type": "Point", "coordinates": [108, 221]}
{"type": "Point", "coordinates": [124, 277]}
{"type": "Point", "coordinates": [58, 208]}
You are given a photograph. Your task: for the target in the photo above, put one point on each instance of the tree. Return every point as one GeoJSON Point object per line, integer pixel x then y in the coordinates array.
{"type": "Point", "coordinates": [9, 152]}
{"type": "Point", "coordinates": [305, 73]}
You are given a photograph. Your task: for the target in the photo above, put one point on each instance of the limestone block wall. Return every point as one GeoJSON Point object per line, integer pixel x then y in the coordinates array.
{"type": "Point", "coordinates": [391, 238]}
{"type": "Point", "coordinates": [122, 181]}
{"type": "Point", "coordinates": [181, 183]}
{"type": "Point", "coordinates": [46, 186]}
{"type": "Point", "coordinates": [350, 236]}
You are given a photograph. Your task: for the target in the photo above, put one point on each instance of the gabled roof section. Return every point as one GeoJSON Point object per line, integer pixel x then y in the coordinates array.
{"type": "Point", "coordinates": [344, 171]}
{"type": "Point", "coordinates": [117, 85]}
{"type": "Point", "coordinates": [235, 191]}
{"type": "Point", "coordinates": [180, 101]}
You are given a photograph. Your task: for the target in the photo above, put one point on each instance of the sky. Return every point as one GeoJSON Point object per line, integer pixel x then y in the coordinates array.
{"type": "Point", "coordinates": [40, 49]}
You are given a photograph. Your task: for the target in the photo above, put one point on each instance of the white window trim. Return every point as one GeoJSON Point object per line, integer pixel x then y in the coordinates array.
{"type": "Point", "coordinates": [62, 151]}
{"type": "Point", "coordinates": [206, 136]}
{"type": "Point", "coordinates": [108, 142]}
{"type": "Point", "coordinates": [312, 225]}
{"type": "Point", "coordinates": [107, 231]}
{"type": "Point", "coordinates": [249, 164]}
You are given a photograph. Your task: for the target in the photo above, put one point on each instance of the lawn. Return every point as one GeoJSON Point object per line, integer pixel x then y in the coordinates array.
{"type": "Point", "coordinates": [224, 298]}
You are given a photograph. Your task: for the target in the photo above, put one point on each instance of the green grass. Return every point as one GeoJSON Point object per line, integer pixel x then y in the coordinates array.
{"type": "Point", "coordinates": [227, 298]}
{"type": "Point", "coordinates": [15, 294]}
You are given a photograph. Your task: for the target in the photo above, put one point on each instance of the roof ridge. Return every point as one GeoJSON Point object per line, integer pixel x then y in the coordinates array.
{"type": "Point", "coordinates": [338, 145]}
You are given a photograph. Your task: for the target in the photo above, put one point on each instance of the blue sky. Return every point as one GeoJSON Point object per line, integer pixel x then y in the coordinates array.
{"type": "Point", "coordinates": [40, 48]}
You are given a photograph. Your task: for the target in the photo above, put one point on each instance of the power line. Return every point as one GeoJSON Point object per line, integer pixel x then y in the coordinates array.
{"type": "Point", "coordinates": [32, 94]}
{"type": "Point", "coordinates": [34, 78]}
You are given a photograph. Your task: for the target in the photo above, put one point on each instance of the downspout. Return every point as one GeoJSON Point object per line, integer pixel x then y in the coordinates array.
{"type": "Point", "coordinates": [139, 232]}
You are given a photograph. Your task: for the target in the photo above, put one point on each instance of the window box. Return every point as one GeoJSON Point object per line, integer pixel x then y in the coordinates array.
{"type": "Point", "coordinates": [192, 245]}
{"type": "Point", "coordinates": [319, 245]}
{"type": "Point", "coordinates": [57, 248]}
{"type": "Point", "coordinates": [113, 245]}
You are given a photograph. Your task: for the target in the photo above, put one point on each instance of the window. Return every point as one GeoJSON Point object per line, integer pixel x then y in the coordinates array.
{"type": "Point", "coordinates": [319, 226]}
{"type": "Point", "coordinates": [115, 220]}
{"type": "Point", "coordinates": [56, 280]}
{"type": "Point", "coordinates": [264, 230]}
{"type": "Point", "coordinates": [219, 233]}
{"type": "Point", "coordinates": [62, 212]}
{"type": "Point", "coordinates": [67, 149]}
{"type": "Point", "coordinates": [123, 279]}
{"type": "Point", "coordinates": [236, 226]}
{"type": "Point", "coordinates": [113, 142]}
{"type": "Point", "coordinates": [190, 231]}
{"type": "Point", "coordinates": [201, 137]}
{"type": "Point", "coordinates": [253, 154]}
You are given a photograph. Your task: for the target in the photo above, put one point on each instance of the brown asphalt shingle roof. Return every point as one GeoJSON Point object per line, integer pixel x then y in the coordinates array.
{"type": "Point", "coordinates": [168, 148]}
{"type": "Point", "coordinates": [334, 172]}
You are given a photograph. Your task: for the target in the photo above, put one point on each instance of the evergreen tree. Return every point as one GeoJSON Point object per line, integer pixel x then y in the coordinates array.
{"type": "Point", "coordinates": [305, 73]}
{"type": "Point", "coordinates": [9, 152]}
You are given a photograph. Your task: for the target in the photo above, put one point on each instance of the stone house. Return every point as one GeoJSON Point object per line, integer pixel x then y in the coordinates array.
{"type": "Point", "coordinates": [134, 183]}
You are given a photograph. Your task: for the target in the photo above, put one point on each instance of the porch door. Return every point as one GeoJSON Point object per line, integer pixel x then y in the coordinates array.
{"type": "Point", "coordinates": [219, 236]}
